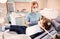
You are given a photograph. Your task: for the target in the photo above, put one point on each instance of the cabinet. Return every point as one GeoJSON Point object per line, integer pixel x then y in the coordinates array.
{"type": "Point", "coordinates": [3, 9]}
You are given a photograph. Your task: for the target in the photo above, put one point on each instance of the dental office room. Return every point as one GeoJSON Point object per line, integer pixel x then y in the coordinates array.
{"type": "Point", "coordinates": [29, 19]}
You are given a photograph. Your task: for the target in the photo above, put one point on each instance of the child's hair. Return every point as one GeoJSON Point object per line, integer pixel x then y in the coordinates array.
{"type": "Point", "coordinates": [46, 23]}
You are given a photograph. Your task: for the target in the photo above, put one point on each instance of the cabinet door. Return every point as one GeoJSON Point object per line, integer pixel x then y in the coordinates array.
{"type": "Point", "coordinates": [10, 7]}
{"type": "Point", "coordinates": [3, 9]}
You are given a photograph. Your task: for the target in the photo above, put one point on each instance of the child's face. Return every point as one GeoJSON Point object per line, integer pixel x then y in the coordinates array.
{"type": "Point", "coordinates": [46, 23]}
{"type": "Point", "coordinates": [42, 22]}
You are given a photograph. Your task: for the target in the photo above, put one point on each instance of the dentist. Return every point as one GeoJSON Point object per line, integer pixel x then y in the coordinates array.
{"type": "Point", "coordinates": [34, 17]}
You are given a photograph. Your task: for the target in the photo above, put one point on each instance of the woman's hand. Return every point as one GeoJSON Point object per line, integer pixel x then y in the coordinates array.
{"type": "Point", "coordinates": [40, 22]}
{"type": "Point", "coordinates": [27, 23]}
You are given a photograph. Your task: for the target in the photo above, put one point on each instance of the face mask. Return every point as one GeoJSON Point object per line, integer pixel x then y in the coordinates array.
{"type": "Point", "coordinates": [34, 9]}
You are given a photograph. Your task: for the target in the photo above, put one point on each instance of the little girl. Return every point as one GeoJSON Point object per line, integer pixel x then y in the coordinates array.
{"type": "Point", "coordinates": [47, 25]}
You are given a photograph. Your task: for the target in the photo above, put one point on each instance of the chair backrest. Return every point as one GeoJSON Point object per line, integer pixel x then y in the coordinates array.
{"type": "Point", "coordinates": [20, 21]}
{"type": "Point", "coordinates": [17, 20]}
{"type": "Point", "coordinates": [58, 19]}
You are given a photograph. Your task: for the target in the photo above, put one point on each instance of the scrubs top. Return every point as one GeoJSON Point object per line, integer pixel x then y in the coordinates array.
{"type": "Point", "coordinates": [33, 18]}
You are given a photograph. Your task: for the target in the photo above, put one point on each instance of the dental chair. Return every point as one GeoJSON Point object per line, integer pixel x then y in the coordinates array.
{"type": "Point", "coordinates": [11, 34]}
{"type": "Point", "coordinates": [56, 24]}
{"type": "Point", "coordinates": [36, 33]}
{"type": "Point", "coordinates": [16, 20]}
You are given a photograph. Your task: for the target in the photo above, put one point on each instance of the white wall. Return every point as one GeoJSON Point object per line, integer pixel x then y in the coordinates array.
{"type": "Point", "coordinates": [54, 4]}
